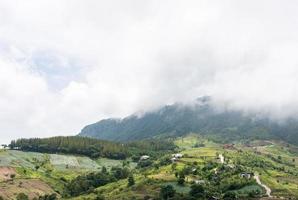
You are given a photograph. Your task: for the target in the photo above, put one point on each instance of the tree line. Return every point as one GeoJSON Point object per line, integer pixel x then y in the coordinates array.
{"type": "Point", "coordinates": [72, 145]}
{"type": "Point", "coordinates": [93, 148]}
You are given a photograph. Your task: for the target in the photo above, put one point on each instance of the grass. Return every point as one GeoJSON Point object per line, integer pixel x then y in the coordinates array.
{"type": "Point", "coordinates": [119, 190]}
{"type": "Point", "coordinates": [201, 152]}
{"type": "Point", "coordinates": [108, 163]}
{"type": "Point", "coordinates": [191, 140]}
{"type": "Point", "coordinates": [179, 188]}
{"type": "Point", "coordinates": [243, 192]}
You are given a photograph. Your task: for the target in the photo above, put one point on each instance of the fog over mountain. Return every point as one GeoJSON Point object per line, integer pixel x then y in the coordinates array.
{"type": "Point", "coordinates": [224, 126]}
{"type": "Point", "coordinates": [67, 64]}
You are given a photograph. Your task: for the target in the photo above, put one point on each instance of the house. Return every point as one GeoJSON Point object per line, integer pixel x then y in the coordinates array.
{"type": "Point", "coordinates": [144, 157]}
{"type": "Point", "coordinates": [177, 155]}
{"type": "Point", "coordinates": [247, 175]}
{"type": "Point", "coordinates": [199, 182]}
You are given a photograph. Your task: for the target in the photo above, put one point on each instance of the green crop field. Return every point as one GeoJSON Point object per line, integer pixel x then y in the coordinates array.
{"type": "Point", "coordinates": [48, 169]}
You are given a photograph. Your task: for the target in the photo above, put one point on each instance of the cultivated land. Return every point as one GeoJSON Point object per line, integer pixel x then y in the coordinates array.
{"type": "Point", "coordinates": [219, 168]}
{"type": "Point", "coordinates": [37, 174]}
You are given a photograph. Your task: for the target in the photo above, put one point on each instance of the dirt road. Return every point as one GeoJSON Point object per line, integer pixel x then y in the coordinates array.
{"type": "Point", "coordinates": [268, 190]}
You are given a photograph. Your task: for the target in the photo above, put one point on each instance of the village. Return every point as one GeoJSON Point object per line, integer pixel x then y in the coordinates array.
{"type": "Point", "coordinates": [223, 166]}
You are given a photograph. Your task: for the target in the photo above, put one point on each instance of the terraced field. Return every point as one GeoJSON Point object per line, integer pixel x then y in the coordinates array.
{"type": "Point", "coordinates": [37, 174]}
{"type": "Point", "coordinates": [59, 162]}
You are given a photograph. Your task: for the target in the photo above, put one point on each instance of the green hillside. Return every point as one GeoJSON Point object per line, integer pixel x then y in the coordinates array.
{"type": "Point", "coordinates": [177, 120]}
{"type": "Point", "coordinates": [219, 180]}
{"type": "Point", "coordinates": [206, 169]}
{"type": "Point", "coordinates": [51, 171]}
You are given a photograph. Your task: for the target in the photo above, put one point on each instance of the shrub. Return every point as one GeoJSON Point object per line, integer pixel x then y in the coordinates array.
{"type": "Point", "coordinates": [22, 196]}
{"type": "Point", "coordinates": [167, 192]}
{"type": "Point", "coordinates": [131, 181]}
{"type": "Point", "coordinates": [230, 196]}
{"type": "Point", "coordinates": [181, 181]}
{"type": "Point", "coordinates": [197, 191]}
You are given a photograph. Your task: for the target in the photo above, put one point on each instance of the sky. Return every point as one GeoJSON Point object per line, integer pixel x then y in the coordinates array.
{"type": "Point", "coordinates": [65, 64]}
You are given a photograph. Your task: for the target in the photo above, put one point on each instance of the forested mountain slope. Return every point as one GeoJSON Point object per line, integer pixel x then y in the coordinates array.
{"type": "Point", "coordinates": [200, 118]}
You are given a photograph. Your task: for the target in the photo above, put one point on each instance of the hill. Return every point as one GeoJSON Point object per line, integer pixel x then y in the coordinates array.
{"type": "Point", "coordinates": [208, 170]}
{"type": "Point", "coordinates": [38, 174]}
{"type": "Point", "coordinates": [178, 119]}
{"type": "Point", "coordinates": [202, 169]}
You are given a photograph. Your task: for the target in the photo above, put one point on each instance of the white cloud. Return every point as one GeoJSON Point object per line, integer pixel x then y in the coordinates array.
{"type": "Point", "coordinates": [137, 55]}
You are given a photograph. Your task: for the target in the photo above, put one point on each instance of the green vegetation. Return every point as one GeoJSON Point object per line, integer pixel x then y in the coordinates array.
{"type": "Point", "coordinates": [87, 183]}
{"type": "Point", "coordinates": [204, 176]}
{"type": "Point", "coordinates": [197, 172]}
{"type": "Point", "coordinates": [176, 120]}
{"type": "Point", "coordinates": [72, 145]}
{"type": "Point", "coordinates": [131, 181]}
{"type": "Point", "coordinates": [94, 148]}
{"type": "Point", "coordinates": [167, 192]}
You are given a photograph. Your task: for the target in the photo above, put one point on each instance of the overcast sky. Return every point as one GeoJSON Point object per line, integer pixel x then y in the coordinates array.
{"type": "Point", "coordinates": [65, 64]}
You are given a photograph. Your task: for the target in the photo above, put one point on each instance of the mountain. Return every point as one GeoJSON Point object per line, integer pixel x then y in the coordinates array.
{"type": "Point", "coordinates": [178, 119]}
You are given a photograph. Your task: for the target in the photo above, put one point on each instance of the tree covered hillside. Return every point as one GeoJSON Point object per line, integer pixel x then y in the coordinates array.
{"type": "Point", "coordinates": [176, 120]}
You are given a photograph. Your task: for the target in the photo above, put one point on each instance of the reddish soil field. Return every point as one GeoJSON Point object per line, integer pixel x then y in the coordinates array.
{"type": "Point", "coordinates": [31, 187]}
{"type": "Point", "coordinates": [6, 173]}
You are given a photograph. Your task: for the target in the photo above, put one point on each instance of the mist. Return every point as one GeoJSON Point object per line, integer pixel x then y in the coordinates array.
{"type": "Point", "coordinates": [64, 65]}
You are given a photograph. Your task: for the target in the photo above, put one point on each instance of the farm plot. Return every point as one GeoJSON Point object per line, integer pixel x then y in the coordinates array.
{"type": "Point", "coordinates": [58, 162]}
{"type": "Point", "coordinates": [19, 158]}
{"type": "Point", "coordinates": [109, 163]}
{"type": "Point", "coordinates": [63, 162]}
{"type": "Point", "coordinates": [33, 188]}
{"type": "Point", "coordinates": [6, 173]}
{"type": "Point", "coordinates": [201, 152]}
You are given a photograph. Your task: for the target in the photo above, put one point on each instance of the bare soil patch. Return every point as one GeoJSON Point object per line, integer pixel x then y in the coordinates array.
{"type": "Point", "coordinates": [7, 173]}
{"type": "Point", "coordinates": [31, 187]}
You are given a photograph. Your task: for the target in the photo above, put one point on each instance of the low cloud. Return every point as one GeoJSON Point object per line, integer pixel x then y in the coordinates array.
{"type": "Point", "coordinates": [124, 57]}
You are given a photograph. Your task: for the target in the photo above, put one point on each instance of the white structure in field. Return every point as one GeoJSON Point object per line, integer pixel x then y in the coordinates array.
{"type": "Point", "coordinates": [247, 175]}
{"type": "Point", "coordinates": [177, 155]}
{"type": "Point", "coordinates": [199, 182]}
{"type": "Point", "coordinates": [144, 157]}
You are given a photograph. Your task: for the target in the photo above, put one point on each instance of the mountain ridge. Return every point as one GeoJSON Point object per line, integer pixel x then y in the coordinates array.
{"type": "Point", "coordinates": [201, 117]}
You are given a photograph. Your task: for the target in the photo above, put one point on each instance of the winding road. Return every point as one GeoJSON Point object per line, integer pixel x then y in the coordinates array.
{"type": "Point", "coordinates": [268, 190]}
{"type": "Point", "coordinates": [256, 177]}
